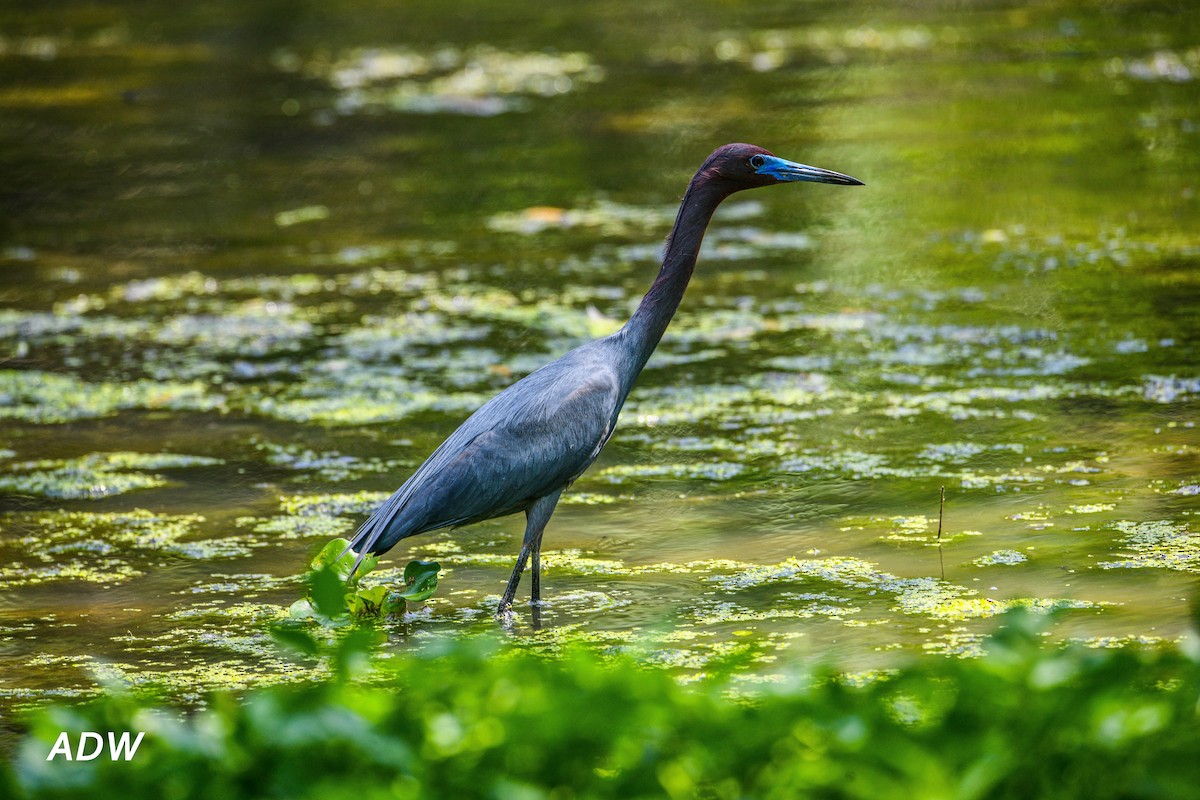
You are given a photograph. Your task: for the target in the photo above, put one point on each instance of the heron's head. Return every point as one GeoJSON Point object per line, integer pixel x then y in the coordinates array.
{"type": "Point", "coordinates": [746, 166]}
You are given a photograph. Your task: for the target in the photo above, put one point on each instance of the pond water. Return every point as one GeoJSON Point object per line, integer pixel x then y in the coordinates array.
{"type": "Point", "coordinates": [257, 261]}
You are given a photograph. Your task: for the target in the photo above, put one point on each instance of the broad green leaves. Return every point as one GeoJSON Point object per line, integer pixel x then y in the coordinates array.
{"type": "Point", "coordinates": [336, 595]}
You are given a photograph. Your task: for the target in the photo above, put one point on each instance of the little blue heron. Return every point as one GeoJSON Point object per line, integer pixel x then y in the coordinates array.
{"type": "Point", "coordinates": [523, 447]}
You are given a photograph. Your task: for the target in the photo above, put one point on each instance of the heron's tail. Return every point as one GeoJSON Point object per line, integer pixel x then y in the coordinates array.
{"type": "Point", "coordinates": [373, 535]}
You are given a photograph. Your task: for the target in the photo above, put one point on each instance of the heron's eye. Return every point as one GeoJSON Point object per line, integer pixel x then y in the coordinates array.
{"type": "Point", "coordinates": [757, 161]}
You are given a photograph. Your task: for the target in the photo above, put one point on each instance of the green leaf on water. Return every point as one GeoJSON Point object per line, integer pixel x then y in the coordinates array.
{"type": "Point", "coordinates": [393, 603]}
{"type": "Point", "coordinates": [328, 591]}
{"type": "Point", "coordinates": [333, 592]}
{"type": "Point", "coordinates": [420, 580]}
{"type": "Point", "coordinates": [338, 557]}
{"type": "Point", "coordinates": [302, 609]}
{"type": "Point", "coordinates": [369, 602]}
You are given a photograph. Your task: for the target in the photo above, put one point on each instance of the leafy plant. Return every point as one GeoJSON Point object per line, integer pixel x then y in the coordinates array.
{"type": "Point", "coordinates": [336, 594]}
{"type": "Point", "coordinates": [1023, 721]}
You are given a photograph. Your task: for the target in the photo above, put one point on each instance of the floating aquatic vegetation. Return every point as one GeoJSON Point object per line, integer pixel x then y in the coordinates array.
{"type": "Point", "coordinates": [1169, 388]}
{"type": "Point", "coordinates": [198, 676]}
{"type": "Point", "coordinates": [96, 474]}
{"type": "Point", "coordinates": [1162, 65]}
{"type": "Point", "coordinates": [330, 466]}
{"type": "Point", "coordinates": [590, 499]}
{"type": "Point", "coordinates": [244, 585]}
{"type": "Point", "coordinates": [297, 216]}
{"type": "Point", "coordinates": [345, 393]}
{"type": "Point", "coordinates": [574, 603]}
{"type": "Point", "coordinates": [957, 452]}
{"type": "Point", "coordinates": [208, 549]}
{"type": "Point", "coordinates": [538, 314]}
{"type": "Point", "coordinates": [105, 548]}
{"type": "Point", "coordinates": [1117, 642]}
{"type": "Point", "coordinates": [331, 505]}
{"type": "Point", "coordinates": [253, 329]}
{"type": "Point", "coordinates": [852, 463]}
{"type": "Point", "coordinates": [1005, 557]}
{"type": "Point", "coordinates": [911, 528]}
{"type": "Point", "coordinates": [963, 403]}
{"type": "Point", "coordinates": [794, 607]}
{"type": "Point", "coordinates": [672, 404]}
{"type": "Point", "coordinates": [920, 596]}
{"type": "Point", "coordinates": [714, 471]}
{"type": "Point", "coordinates": [952, 452]}
{"type": "Point", "coordinates": [957, 642]}
{"type": "Point", "coordinates": [774, 48]}
{"type": "Point", "coordinates": [1000, 481]}
{"type": "Point", "coordinates": [45, 397]}
{"type": "Point", "coordinates": [565, 562]}
{"type": "Point", "coordinates": [192, 288]}
{"type": "Point", "coordinates": [479, 81]}
{"type": "Point", "coordinates": [1160, 544]}
{"type": "Point", "coordinates": [1090, 508]}
{"type": "Point", "coordinates": [279, 528]}
{"type": "Point", "coordinates": [605, 216]}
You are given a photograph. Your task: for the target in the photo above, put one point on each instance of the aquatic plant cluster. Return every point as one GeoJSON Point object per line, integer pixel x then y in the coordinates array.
{"type": "Point", "coordinates": [476, 721]}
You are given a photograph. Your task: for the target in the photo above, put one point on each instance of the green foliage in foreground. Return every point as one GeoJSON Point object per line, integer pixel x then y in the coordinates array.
{"type": "Point", "coordinates": [1025, 721]}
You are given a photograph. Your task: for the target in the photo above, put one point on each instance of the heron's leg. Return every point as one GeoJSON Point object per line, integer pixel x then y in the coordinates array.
{"type": "Point", "coordinates": [536, 518]}
{"type": "Point", "coordinates": [535, 595]}
{"type": "Point", "coordinates": [511, 590]}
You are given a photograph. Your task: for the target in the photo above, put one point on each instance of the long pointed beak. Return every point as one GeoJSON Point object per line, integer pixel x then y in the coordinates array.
{"type": "Point", "coordinates": [783, 170]}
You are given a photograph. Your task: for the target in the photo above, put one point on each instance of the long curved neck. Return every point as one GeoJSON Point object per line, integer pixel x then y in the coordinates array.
{"type": "Point", "coordinates": [647, 325]}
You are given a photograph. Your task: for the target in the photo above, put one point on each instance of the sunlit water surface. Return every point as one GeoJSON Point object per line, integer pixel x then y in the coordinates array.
{"type": "Point", "coordinates": [254, 269]}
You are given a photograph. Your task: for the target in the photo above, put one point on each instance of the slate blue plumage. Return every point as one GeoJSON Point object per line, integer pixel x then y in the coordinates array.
{"type": "Point", "coordinates": [523, 447]}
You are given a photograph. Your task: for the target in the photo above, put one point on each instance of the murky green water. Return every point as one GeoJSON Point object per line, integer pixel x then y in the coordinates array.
{"type": "Point", "coordinates": [257, 262]}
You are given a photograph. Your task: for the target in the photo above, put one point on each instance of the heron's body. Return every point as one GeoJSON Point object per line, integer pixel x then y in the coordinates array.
{"type": "Point", "coordinates": [522, 448]}
{"type": "Point", "coordinates": [535, 437]}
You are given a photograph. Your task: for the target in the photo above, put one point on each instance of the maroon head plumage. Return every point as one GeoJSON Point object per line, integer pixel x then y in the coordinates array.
{"type": "Point", "coordinates": [748, 166]}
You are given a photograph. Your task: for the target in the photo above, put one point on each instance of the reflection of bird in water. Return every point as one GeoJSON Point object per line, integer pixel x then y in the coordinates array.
{"type": "Point", "coordinates": [523, 447]}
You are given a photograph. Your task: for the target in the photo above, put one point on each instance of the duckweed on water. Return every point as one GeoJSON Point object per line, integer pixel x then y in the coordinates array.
{"type": "Point", "coordinates": [105, 548]}
{"type": "Point", "coordinates": [714, 471]}
{"type": "Point", "coordinates": [477, 81]}
{"type": "Point", "coordinates": [95, 475]}
{"type": "Point", "coordinates": [607, 217]}
{"type": "Point", "coordinates": [331, 505]}
{"type": "Point", "coordinates": [45, 397]}
{"type": "Point", "coordinates": [1006, 557]}
{"type": "Point", "coordinates": [296, 526]}
{"type": "Point", "coordinates": [1160, 544]}
{"type": "Point", "coordinates": [915, 528]}
{"type": "Point", "coordinates": [330, 466]}
{"type": "Point", "coordinates": [924, 596]}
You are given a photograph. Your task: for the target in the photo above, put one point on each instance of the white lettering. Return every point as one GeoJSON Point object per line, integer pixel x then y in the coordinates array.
{"type": "Point", "coordinates": [117, 746]}
{"type": "Point", "coordinates": [120, 748]}
{"type": "Point", "coordinates": [61, 747]}
{"type": "Point", "coordinates": [86, 736]}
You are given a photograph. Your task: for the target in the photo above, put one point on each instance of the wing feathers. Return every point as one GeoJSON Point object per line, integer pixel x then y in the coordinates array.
{"type": "Point", "coordinates": [533, 438]}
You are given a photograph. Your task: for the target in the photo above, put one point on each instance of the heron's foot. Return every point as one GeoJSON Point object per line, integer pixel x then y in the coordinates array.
{"type": "Point", "coordinates": [504, 611]}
